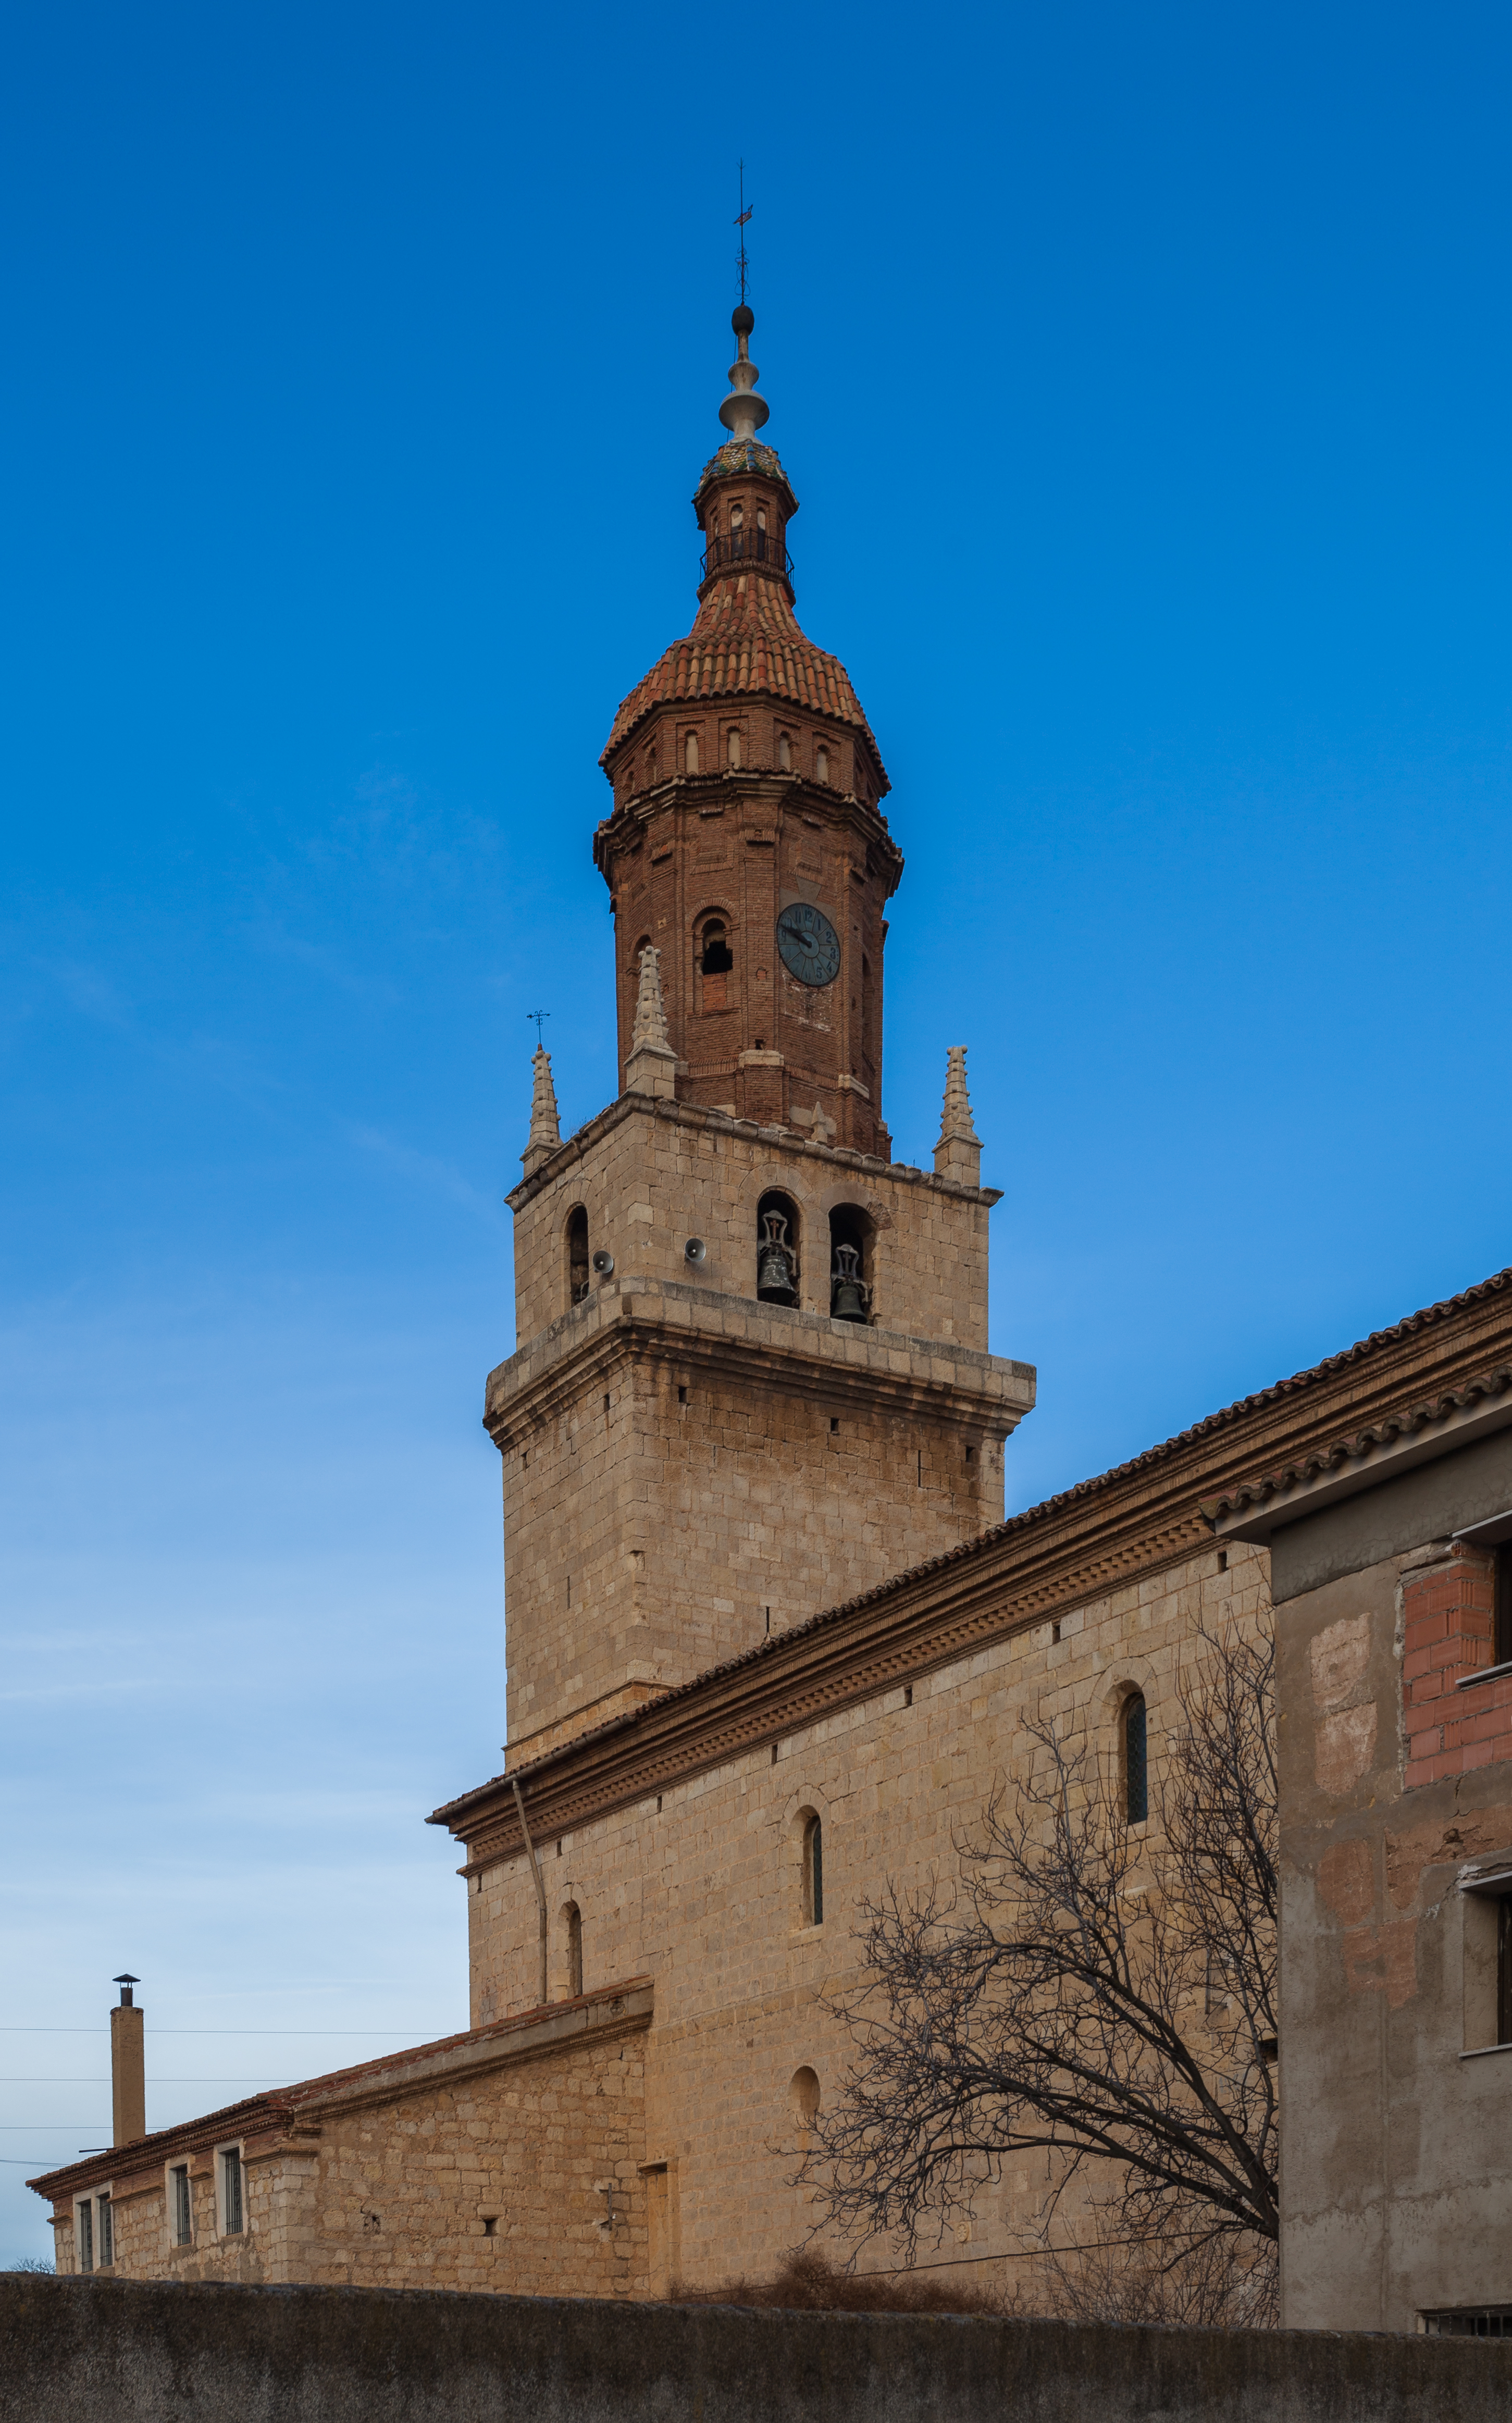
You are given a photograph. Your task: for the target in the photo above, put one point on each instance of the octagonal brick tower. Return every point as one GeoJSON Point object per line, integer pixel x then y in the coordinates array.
{"type": "Point", "coordinates": [752, 1377]}
{"type": "Point", "coordinates": [746, 784]}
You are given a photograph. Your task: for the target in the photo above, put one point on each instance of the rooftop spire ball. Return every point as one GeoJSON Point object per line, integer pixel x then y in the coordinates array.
{"type": "Point", "coordinates": [743, 412]}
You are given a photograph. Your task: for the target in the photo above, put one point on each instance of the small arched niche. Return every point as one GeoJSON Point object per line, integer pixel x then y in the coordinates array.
{"type": "Point", "coordinates": [821, 764]}
{"type": "Point", "coordinates": [576, 1256]}
{"type": "Point", "coordinates": [691, 752]}
{"type": "Point", "coordinates": [803, 2095]}
{"type": "Point", "coordinates": [852, 1264]}
{"type": "Point", "coordinates": [784, 753]}
{"type": "Point", "coordinates": [778, 1241]}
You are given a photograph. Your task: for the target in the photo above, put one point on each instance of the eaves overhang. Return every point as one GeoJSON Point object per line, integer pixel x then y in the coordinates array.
{"type": "Point", "coordinates": [1384, 1450]}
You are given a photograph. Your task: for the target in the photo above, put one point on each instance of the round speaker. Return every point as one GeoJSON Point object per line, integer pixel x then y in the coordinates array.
{"type": "Point", "coordinates": [696, 1251]}
{"type": "Point", "coordinates": [604, 1263]}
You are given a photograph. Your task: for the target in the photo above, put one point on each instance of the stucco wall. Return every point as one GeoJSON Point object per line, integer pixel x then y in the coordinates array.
{"type": "Point", "coordinates": [156, 2355]}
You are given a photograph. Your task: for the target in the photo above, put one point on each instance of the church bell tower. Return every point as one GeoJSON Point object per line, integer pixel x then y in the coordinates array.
{"type": "Point", "coordinates": [752, 1379]}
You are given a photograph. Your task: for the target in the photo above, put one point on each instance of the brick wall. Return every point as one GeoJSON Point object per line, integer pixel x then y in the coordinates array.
{"type": "Point", "coordinates": [1448, 1619]}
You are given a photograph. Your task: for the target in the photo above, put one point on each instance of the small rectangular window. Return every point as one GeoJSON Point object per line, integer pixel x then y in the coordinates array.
{"type": "Point", "coordinates": [178, 2204]}
{"type": "Point", "coordinates": [107, 2232]}
{"type": "Point", "coordinates": [232, 2191]}
{"type": "Point", "coordinates": [84, 2225]}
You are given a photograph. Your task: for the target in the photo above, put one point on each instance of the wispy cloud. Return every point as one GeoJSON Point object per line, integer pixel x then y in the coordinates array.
{"type": "Point", "coordinates": [435, 1177]}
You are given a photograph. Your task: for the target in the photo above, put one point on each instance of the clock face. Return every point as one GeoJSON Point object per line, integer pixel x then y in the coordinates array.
{"type": "Point", "coordinates": [809, 944]}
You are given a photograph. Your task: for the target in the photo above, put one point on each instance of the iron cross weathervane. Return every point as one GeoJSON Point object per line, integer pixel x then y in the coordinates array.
{"type": "Point", "coordinates": [540, 1017]}
{"type": "Point", "coordinates": [742, 223]}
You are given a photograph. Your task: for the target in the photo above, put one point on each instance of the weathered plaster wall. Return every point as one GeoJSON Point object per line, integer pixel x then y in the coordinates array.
{"type": "Point", "coordinates": [1397, 2179]}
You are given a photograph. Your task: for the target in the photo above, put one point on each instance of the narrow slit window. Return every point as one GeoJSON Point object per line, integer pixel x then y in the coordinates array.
{"type": "Point", "coordinates": [1137, 1760]}
{"type": "Point", "coordinates": [574, 1948]}
{"type": "Point", "coordinates": [821, 765]}
{"type": "Point", "coordinates": [784, 753]}
{"type": "Point", "coordinates": [86, 2228]}
{"type": "Point", "coordinates": [232, 2191]}
{"type": "Point", "coordinates": [107, 2231]}
{"type": "Point", "coordinates": [178, 2182]}
{"type": "Point", "coordinates": [813, 1873]}
{"type": "Point", "coordinates": [691, 753]}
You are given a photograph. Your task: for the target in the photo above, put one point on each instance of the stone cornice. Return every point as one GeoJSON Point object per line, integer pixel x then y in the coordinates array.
{"type": "Point", "coordinates": [576, 1149]}
{"type": "Point", "coordinates": [760, 1345]}
{"type": "Point", "coordinates": [1129, 1522]}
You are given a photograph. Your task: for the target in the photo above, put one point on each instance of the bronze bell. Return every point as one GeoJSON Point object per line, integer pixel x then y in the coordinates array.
{"type": "Point", "coordinates": [848, 1291]}
{"type": "Point", "coordinates": [774, 1261]}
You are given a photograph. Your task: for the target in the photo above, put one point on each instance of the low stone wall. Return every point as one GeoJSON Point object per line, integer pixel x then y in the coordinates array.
{"type": "Point", "coordinates": [156, 2352]}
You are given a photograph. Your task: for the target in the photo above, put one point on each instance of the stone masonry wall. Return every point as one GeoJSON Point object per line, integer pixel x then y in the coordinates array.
{"type": "Point", "coordinates": [514, 2175]}
{"type": "Point", "coordinates": [701, 1888]}
{"type": "Point", "coordinates": [676, 1506]}
{"type": "Point", "coordinates": [650, 1179]}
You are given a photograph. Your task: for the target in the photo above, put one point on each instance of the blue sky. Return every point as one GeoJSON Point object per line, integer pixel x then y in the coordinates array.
{"type": "Point", "coordinates": [1143, 378]}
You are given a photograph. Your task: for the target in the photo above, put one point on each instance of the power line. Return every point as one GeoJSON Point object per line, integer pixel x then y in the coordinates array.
{"type": "Point", "coordinates": [229, 2032]}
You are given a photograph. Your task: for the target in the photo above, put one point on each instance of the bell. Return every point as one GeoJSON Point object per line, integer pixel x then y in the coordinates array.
{"type": "Point", "coordinates": [848, 1291]}
{"type": "Point", "coordinates": [774, 1263]}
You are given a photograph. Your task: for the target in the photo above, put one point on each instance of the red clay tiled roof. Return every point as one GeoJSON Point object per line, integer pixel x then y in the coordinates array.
{"type": "Point", "coordinates": [778, 1642]}
{"type": "Point", "coordinates": [746, 642]}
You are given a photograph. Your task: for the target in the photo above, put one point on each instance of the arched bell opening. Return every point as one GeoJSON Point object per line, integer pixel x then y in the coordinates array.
{"type": "Point", "coordinates": [852, 1281]}
{"type": "Point", "coordinates": [713, 961]}
{"type": "Point", "coordinates": [575, 1254]}
{"type": "Point", "coordinates": [778, 1240]}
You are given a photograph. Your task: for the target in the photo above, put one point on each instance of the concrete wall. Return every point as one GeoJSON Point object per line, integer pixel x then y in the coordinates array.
{"type": "Point", "coordinates": [1396, 2170]}
{"type": "Point", "coordinates": [156, 2355]}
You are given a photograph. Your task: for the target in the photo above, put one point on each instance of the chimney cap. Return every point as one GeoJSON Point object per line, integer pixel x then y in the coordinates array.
{"type": "Point", "coordinates": [125, 1979]}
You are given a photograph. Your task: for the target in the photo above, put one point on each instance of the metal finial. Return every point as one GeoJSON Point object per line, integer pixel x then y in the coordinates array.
{"type": "Point", "coordinates": [742, 263]}
{"type": "Point", "coordinates": [540, 1017]}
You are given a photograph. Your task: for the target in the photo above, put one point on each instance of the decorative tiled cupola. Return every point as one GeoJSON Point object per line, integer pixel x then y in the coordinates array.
{"type": "Point", "coordinates": [747, 825]}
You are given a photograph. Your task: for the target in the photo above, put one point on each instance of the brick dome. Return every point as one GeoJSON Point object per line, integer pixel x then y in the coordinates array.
{"type": "Point", "coordinates": [745, 641]}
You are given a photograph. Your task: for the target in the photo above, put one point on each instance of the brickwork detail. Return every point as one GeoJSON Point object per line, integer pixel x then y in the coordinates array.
{"type": "Point", "coordinates": [1448, 1617]}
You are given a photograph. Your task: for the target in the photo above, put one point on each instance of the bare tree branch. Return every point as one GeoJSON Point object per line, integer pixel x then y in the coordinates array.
{"type": "Point", "coordinates": [1102, 1994]}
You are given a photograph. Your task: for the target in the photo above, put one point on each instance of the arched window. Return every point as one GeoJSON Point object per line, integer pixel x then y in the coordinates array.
{"type": "Point", "coordinates": [776, 1248]}
{"type": "Point", "coordinates": [691, 753]}
{"type": "Point", "coordinates": [1136, 1760]}
{"type": "Point", "coordinates": [572, 1918]}
{"type": "Point", "coordinates": [813, 1870]}
{"type": "Point", "coordinates": [713, 959]}
{"type": "Point", "coordinates": [784, 753]}
{"type": "Point", "coordinates": [734, 744]}
{"type": "Point", "coordinates": [821, 765]}
{"type": "Point", "coordinates": [737, 517]}
{"type": "Point", "coordinates": [578, 1266]}
{"type": "Point", "coordinates": [851, 1259]}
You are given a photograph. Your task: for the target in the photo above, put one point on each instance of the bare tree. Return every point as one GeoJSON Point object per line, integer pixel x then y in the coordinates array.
{"type": "Point", "coordinates": [1101, 1993]}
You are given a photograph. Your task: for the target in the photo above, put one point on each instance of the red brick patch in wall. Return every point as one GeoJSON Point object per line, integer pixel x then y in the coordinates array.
{"type": "Point", "coordinates": [1449, 1612]}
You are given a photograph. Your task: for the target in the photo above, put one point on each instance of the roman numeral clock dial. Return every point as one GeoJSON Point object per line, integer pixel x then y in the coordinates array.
{"type": "Point", "coordinates": [809, 944]}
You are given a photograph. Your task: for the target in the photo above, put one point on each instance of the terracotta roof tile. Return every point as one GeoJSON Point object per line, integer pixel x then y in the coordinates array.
{"type": "Point", "coordinates": [746, 643]}
{"type": "Point", "coordinates": [778, 1642]}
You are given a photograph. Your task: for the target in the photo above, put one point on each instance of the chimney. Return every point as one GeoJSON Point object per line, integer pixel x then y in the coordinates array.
{"type": "Point", "coordinates": [128, 2067]}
